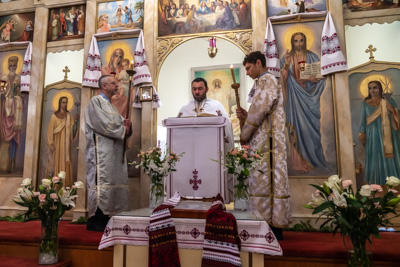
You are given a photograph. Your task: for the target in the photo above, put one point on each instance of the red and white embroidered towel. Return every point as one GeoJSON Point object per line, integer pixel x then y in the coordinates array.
{"type": "Point", "coordinates": [26, 69]}
{"type": "Point", "coordinates": [163, 246]}
{"type": "Point", "coordinates": [93, 66]}
{"type": "Point", "coordinates": [332, 58]}
{"type": "Point", "coordinates": [221, 240]}
{"type": "Point", "coordinates": [271, 51]}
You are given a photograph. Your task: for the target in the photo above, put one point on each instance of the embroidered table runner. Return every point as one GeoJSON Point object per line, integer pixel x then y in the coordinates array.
{"type": "Point", "coordinates": [132, 228]}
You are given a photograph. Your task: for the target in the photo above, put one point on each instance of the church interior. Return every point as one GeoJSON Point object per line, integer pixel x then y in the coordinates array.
{"type": "Point", "coordinates": [57, 49]}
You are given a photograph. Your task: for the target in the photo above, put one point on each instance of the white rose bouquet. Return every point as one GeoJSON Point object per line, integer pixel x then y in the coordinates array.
{"type": "Point", "coordinates": [239, 162]}
{"type": "Point", "coordinates": [356, 214]}
{"type": "Point", "coordinates": [51, 200]}
{"type": "Point", "coordinates": [157, 166]}
{"type": "Point", "coordinates": [50, 203]}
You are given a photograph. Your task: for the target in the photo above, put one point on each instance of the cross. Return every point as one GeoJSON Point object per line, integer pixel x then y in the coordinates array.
{"type": "Point", "coordinates": [195, 181]}
{"type": "Point", "coordinates": [66, 70]}
{"type": "Point", "coordinates": [370, 50]}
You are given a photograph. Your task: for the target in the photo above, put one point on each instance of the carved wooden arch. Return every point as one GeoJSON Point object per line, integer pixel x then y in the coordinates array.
{"type": "Point", "coordinates": [242, 39]}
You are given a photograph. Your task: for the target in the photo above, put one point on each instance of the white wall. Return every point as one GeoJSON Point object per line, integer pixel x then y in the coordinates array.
{"type": "Point", "coordinates": [56, 62]}
{"type": "Point", "coordinates": [385, 37]}
{"type": "Point", "coordinates": [174, 80]}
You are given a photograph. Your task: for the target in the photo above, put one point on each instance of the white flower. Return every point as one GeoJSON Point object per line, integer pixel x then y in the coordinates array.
{"type": "Point", "coordinates": [392, 181]}
{"type": "Point", "coordinates": [365, 190]}
{"type": "Point", "coordinates": [26, 182]}
{"type": "Point", "coordinates": [334, 182]}
{"type": "Point", "coordinates": [316, 200]}
{"type": "Point", "coordinates": [23, 193]}
{"type": "Point", "coordinates": [339, 199]}
{"type": "Point", "coordinates": [346, 184]}
{"type": "Point", "coordinates": [62, 175]}
{"type": "Point", "coordinates": [78, 184]}
{"type": "Point", "coordinates": [46, 183]}
{"type": "Point", "coordinates": [66, 199]}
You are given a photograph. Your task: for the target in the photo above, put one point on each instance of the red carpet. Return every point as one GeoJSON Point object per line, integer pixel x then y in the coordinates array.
{"type": "Point", "coordinates": [69, 234]}
{"type": "Point", "coordinates": [27, 262]}
{"type": "Point", "coordinates": [295, 244]}
{"type": "Point", "coordinates": [324, 245]}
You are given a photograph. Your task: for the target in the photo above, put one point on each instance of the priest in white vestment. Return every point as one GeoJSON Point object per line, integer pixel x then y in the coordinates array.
{"type": "Point", "coordinates": [202, 106]}
{"type": "Point", "coordinates": [106, 165]}
{"type": "Point", "coordinates": [269, 194]}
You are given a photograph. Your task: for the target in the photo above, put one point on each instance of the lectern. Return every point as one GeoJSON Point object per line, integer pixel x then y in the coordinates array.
{"type": "Point", "coordinates": [202, 139]}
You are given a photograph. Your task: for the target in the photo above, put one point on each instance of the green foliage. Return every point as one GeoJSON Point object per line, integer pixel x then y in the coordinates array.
{"type": "Point", "coordinates": [356, 214]}
{"type": "Point", "coordinates": [307, 227]}
{"type": "Point", "coordinates": [81, 220]}
{"type": "Point", "coordinates": [50, 202]}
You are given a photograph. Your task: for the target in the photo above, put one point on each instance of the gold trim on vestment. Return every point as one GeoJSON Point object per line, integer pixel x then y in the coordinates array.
{"type": "Point", "coordinates": [270, 196]}
{"type": "Point", "coordinates": [386, 129]}
{"type": "Point", "coordinates": [108, 186]}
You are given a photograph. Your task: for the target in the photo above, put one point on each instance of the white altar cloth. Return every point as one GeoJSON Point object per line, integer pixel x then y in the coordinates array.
{"type": "Point", "coordinates": [131, 228]}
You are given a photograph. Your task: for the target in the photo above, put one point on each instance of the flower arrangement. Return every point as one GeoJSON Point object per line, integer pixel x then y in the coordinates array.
{"type": "Point", "coordinates": [52, 199]}
{"type": "Point", "coordinates": [157, 166]}
{"type": "Point", "coordinates": [356, 214]}
{"type": "Point", "coordinates": [50, 203]}
{"type": "Point", "coordinates": [239, 162]}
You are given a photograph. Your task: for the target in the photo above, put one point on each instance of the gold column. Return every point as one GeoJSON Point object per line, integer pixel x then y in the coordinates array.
{"type": "Point", "coordinates": [36, 93]}
{"type": "Point", "coordinates": [81, 203]}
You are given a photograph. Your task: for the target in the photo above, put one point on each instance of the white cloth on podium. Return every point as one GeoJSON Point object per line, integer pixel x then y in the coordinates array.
{"type": "Point", "coordinates": [197, 175]}
{"type": "Point", "coordinates": [209, 107]}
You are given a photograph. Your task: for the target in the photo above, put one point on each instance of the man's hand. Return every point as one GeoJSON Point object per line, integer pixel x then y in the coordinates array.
{"type": "Point", "coordinates": [390, 108]}
{"type": "Point", "coordinates": [127, 124]}
{"type": "Point", "coordinates": [287, 57]}
{"type": "Point", "coordinates": [241, 113]}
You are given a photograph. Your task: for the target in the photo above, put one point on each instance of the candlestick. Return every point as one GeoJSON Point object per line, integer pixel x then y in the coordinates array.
{"type": "Point", "coordinates": [131, 66]}
{"type": "Point", "coordinates": [233, 74]}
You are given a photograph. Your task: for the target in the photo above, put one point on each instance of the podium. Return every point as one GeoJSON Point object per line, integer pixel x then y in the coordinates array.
{"type": "Point", "coordinates": [201, 139]}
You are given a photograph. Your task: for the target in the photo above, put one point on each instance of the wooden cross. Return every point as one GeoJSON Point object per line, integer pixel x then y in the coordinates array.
{"type": "Point", "coordinates": [370, 50]}
{"type": "Point", "coordinates": [66, 70]}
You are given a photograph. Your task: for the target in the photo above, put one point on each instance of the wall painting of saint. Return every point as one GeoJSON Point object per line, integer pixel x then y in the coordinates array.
{"type": "Point", "coordinates": [377, 151]}
{"type": "Point", "coordinates": [176, 18]}
{"type": "Point", "coordinates": [309, 103]}
{"type": "Point", "coordinates": [66, 23]}
{"type": "Point", "coordinates": [17, 27]}
{"type": "Point", "coordinates": [290, 7]}
{"type": "Point", "coordinates": [357, 5]}
{"type": "Point", "coordinates": [13, 114]}
{"type": "Point", "coordinates": [120, 15]}
{"type": "Point", "coordinates": [59, 138]}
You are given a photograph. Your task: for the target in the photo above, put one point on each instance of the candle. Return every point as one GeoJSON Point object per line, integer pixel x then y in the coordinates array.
{"type": "Point", "coordinates": [213, 42]}
{"type": "Point", "coordinates": [233, 74]}
{"type": "Point", "coordinates": [131, 66]}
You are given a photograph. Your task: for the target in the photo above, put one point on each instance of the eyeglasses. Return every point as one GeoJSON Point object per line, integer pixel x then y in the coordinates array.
{"type": "Point", "coordinates": [113, 83]}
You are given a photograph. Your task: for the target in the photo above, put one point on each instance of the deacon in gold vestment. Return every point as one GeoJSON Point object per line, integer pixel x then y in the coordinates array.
{"type": "Point", "coordinates": [269, 191]}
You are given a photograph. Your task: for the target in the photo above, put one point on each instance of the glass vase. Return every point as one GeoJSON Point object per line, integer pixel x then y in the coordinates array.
{"type": "Point", "coordinates": [241, 194]}
{"type": "Point", "coordinates": [156, 193]}
{"type": "Point", "coordinates": [48, 247]}
{"type": "Point", "coordinates": [359, 256]}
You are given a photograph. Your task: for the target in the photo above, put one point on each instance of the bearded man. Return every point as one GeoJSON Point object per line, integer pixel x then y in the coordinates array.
{"type": "Point", "coordinates": [10, 117]}
{"type": "Point", "coordinates": [303, 113]}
